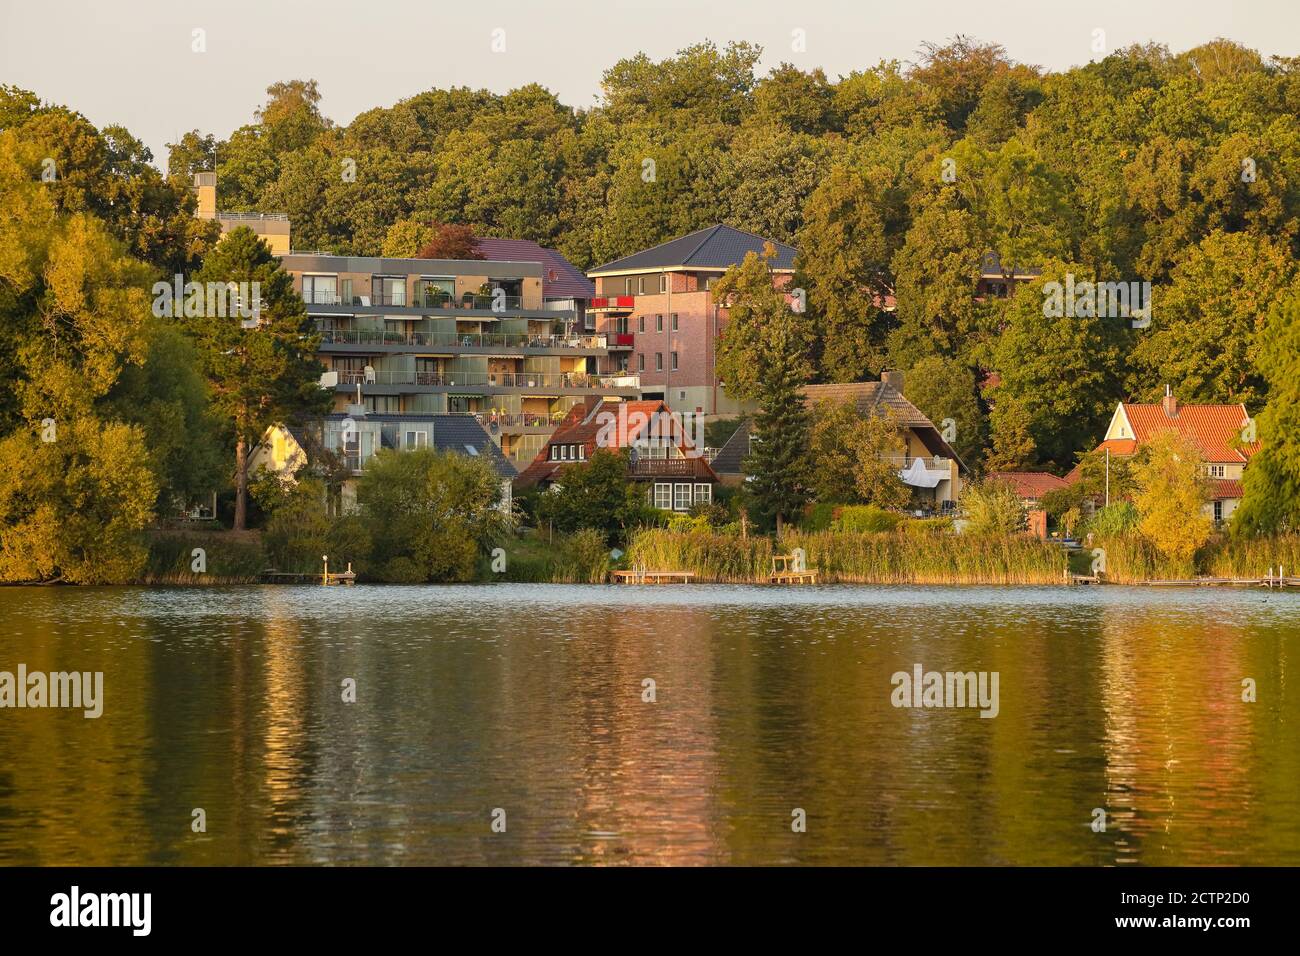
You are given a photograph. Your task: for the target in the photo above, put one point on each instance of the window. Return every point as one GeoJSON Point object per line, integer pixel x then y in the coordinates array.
{"type": "Point", "coordinates": [415, 439]}
{"type": "Point", "coordinates": [659, 323]}
{"type": "Point", "coordinates": [703, 493]}
{"type": "Point", "coordinates": [659, 361]}
{"type": "Point", "coordinates": [641, 323]}
{"type": "Point", "coordinates": [564, 453]}
{"type": "Point", "coordinates": [663, 495]}
{"type": "Point", "coordinates": [681, 497]}
{"type": "Point", "coordinates": [389, 290]}
{"type": "Point", "coordinates": [663, 282]}
{"type": "Point", "coordinates": [1218, 511]}
{"type": "Point", "coordinates": [674, 321]}
{"type": "Point", "coordinates": [555, 453]}
{"type": "Point", "coordinates": [627, 286]}
{"type": "Point", "coordinates": [674, 361]}
{"type": "Point", "coordinates": [582, 453]}
{"type": "Point", "coordinates": [640, 362]}
{"type": "Point", "coordinates": [320, 290]}
{"type": "Point", "coordinates": [640, 285]}
{"type": "Point", "coordinates": [1217, 471]}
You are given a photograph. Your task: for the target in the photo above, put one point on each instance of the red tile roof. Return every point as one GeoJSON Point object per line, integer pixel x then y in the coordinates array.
{"type": "Point", "coordinates": [1029, 484]}
{"type": "Point", "coordinates": [1225, 488]}
{"type": "Point", "coordinates": [584, 424]}
{"type": "Point", "coordinates": [1212, 428]}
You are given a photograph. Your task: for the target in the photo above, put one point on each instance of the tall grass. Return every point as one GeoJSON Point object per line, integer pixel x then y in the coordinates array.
{"type": "Point", "coordinates": [857, 557]}
{"type": "Point", "coordinates": [230, 560]}
{"type": "Point", "coordinates": [1241, 557]}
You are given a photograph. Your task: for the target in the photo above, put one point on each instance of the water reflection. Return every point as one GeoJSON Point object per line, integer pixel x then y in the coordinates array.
{"type": "Point", "coordinates": [529, 699]}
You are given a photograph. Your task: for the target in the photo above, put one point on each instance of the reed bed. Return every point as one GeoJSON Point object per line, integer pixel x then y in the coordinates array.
{"type": "Point", "coordinates": [1238, 557]}
{"type": "Point", "coordinates": [856, 557]}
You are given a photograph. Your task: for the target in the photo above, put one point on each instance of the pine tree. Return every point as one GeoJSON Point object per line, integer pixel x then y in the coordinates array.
{"type": "Point", "coordinates": [263, 374]}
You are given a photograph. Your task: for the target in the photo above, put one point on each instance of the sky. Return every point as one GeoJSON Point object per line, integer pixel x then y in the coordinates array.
{"type": "Point", "coordinates": [136, 62]}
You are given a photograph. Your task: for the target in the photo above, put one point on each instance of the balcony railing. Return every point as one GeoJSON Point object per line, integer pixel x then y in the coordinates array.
{"type": "Point", "coordinates": [513, 340]}
{"type": "Point", "coordinates": [930, 463]}
{"type": "Point", "coordinates": [613, 302]}
{"type": "Point", "coordinates": [663, 467]}
{"type": "Point", "coordinates": [485, 379]}
{"type": "Point", "coordinates": [420, 300]}
{"type": "Point", "coordinates": [518, 420]}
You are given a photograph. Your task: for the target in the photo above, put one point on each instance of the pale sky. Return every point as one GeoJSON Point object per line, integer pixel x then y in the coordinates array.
{"type": "Point", "coordinates": [131, 61]}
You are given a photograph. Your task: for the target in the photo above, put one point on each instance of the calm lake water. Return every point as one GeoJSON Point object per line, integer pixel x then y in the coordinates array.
{"type": "Point", "coordinates": [528, 698]}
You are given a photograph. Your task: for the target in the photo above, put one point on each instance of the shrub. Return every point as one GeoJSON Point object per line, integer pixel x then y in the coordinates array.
{"type": "Point", "coordinates": [866, 518]}
{"type": "Point", "coordinates": [992, 508]}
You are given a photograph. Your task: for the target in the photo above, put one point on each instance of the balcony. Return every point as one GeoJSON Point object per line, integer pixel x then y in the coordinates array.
{"type": "Point", "coordinates": [612, 303]}
{"type": "Point", "coordinates": [496, 340]}
{"type": "Point", "coordinates": [665, 468]}
{"type": "Point", "coordinates": [519, 380]}
{"type": "Point", "coordinates": [619, 340]}
{"type": "Point", "coordinates": [420, 300]}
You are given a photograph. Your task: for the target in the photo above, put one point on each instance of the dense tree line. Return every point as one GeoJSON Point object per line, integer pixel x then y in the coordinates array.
{"type": "Point", "coordinates": [1182, 170]}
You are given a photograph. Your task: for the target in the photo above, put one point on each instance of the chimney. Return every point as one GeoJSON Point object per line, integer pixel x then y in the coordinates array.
{"type": "Point", "coordinates": [205, 187]}
{"type": "Point", "coordinates": [894, 378]}
{"type": "Point", "coordinates": [1170, 403]}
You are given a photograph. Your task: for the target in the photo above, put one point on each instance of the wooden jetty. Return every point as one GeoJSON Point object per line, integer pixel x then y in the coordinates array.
{"type": "Point", "coordinates": [644, 576]}
{"type": "Point", "coordinates": [1268, 582]}
{"type": "Point", "coordinates": [786, 570]}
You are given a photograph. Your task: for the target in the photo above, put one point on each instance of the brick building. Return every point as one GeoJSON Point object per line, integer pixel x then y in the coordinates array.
{"type": "Point", "coordinates": [657, 312]}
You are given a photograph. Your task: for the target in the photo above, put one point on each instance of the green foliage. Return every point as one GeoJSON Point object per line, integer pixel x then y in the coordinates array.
{"type": "Point", "coordinates": [992, 508]}
{"type": "Point", "coordinates": [596, 495]}
{"type": "Point", "coordinates": [583, 558]}
{"type": "Point", "coordinates": [1271, 484]}
{"type": "Point", "coordinates": [429, 515]}
{"type": "Point", "coordinates": [855, 457]}
{"type": "Point", "coordinates": [867, 519]}
{"type": "Point", "coordinates": [1171, 495]}
{"type": "Point", "coordinates": [262, 375]}
{"type": "Point", "coordinates": [1119, 519]}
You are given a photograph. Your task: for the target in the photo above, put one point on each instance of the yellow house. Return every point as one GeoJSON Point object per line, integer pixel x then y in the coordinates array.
{"type": "Point", "coordinates": [271, 227]}
{"type": "Point", "coordinates": [1223, 433]}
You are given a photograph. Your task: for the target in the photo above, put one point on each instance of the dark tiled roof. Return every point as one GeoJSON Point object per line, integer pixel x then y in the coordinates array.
{"type": "Point", "coordinates": [452, 432]}
{"type": "Point", "coordinates": [731, 456]}
{"type": "Point", "coordinates": [874, 398]}
{"type": "Point", "coordinates": [870, 398]}
{"type": "Point", "coordinates": [561, 279]}
{"type": "Point", "coordinates": [458, 433]}
{"type": "Point", "coordinates": [717, 247]}
{"type": "Point", "coordinates": [991, 268]}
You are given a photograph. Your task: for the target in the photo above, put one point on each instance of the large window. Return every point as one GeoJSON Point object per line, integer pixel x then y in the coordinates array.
{"type": "Point", "coordinates": [681, 497]}
{"type": "Point", "coordinates": [663, 495]}
{"type": "Point", "coordinates": [320, 290]}
{"type": "Point", "coordinates": [703, 493]}
{"type": "Point", "coordinates": [388, 290]}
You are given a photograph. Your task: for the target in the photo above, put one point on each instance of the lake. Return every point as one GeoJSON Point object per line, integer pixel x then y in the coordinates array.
{"type": "Point", "coordinates": [528, 707]}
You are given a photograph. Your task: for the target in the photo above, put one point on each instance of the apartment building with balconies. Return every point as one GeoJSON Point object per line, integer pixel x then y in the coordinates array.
{"type": "Point", "coordinates": [437, 336]}
{"type": "Point", "coordinates": [658, 315]}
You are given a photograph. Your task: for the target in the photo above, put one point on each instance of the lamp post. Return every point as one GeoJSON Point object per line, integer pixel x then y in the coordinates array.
{"type": "Point", "coordinates": [325, 578]}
